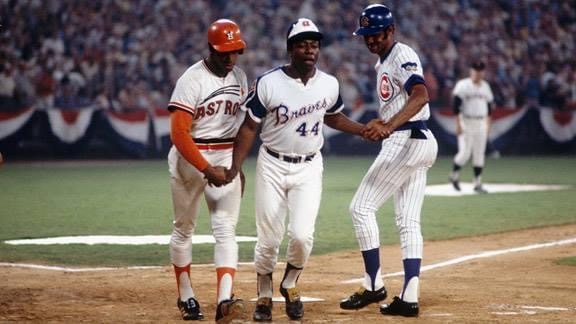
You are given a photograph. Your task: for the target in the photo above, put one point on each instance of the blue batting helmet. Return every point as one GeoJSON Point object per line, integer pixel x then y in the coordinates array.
{"type": "Point", "coordinates": [374, 19]}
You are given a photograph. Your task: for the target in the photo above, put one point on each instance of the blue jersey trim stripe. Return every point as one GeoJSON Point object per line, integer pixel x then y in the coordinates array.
{"type": "Point", "coordinates": [412, 81]}
{"type": "Point", "coordinates": [255, 118]}
{"type": "Point", "coordinates": [255, 106]}
{"type": "Point", "coordinates": [338, 105]}
{"type": "Point", "coordinates": [253, 101]}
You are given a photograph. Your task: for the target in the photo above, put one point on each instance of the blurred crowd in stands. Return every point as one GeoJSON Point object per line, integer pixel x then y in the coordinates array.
{"type": "Point", "coordinates": [126, 55]}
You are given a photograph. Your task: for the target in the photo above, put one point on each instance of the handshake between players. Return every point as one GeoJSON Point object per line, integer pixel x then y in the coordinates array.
{"type": "Point", "coordinates": [375, 130]}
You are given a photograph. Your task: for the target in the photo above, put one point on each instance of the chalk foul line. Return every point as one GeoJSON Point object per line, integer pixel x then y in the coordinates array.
{"type": "Point", "coordinates": [68, 269]}
{"type": "Point", "coordinates": [387, 275]}
{"type": "Point", "coordinates": [474, 256]}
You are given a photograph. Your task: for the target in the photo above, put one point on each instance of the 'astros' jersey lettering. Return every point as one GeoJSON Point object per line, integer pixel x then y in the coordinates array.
{"type": "Point", "coordinates": [475, 97]}
{"type": "Point", "coordinates": [291, 113]}
{"type": "Point", "coordinates": [213, 101]}
{"type": "Point", "coordinates": [397, 72]}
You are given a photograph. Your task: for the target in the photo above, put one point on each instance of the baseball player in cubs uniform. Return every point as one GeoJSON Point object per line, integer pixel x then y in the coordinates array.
{"type": "Point", "coordinates": [291, 103]}
{"type": "Point", "coordinates": [472, 106]}
{"type": "Point", "coordinates": [400, 168]}
{"type": "Point", "coordinates": [205, 117]}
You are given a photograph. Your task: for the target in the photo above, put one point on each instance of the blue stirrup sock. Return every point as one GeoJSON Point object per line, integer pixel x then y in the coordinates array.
{"type": "Point", "coordinates": [411, 280]}
{"type": "Point", "coordinates": [372, 277]}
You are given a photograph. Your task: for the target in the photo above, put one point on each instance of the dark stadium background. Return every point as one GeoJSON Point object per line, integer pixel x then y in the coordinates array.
{"type": "Point", "coordinates": [91, 79]}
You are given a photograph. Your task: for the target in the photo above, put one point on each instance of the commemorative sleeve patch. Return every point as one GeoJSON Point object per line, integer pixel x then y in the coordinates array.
{"type": "Point", "coordinates": [410, 66]}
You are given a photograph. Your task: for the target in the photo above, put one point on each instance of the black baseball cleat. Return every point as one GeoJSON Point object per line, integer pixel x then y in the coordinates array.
{"type": "Point", "coordinates": [263, 311]}
{"type": "Point", "coordinates": [230, 309]}
{"type": "Point", "coordinates": [400, 307]}
{"type": "Point", "coordinates": [455, 183]}
{"type": "Point", "coordinates": [363, 297]}
{"type": "Point", "coordinates": [294, 306]}
{"type": "Point", "coordinates": [190, 309]}
{"type": "Point", "coordinates": [480, 189]}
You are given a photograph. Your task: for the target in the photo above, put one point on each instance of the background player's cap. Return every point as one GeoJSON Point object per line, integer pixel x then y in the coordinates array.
{"type": "Point", "coordinates": [303, 29]}
{"type": "Point", "coordinates": [478, 65]}
{"type": "Point", "coordinates": [224, 35]}
{"type": "Point", "coordinates": [374, 19]}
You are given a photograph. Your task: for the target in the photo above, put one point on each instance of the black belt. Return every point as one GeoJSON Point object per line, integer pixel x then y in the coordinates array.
{"type": "Point", "coordinates": [419, 124]}
{"type": "Point", "coordinates": [416, 127]}
{"type": "Point", "coordinates": [291, 159]}
{"type": "Point", "coordinates": [213, 140]}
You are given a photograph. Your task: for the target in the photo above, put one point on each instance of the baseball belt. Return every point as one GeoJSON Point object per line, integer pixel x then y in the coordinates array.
{"type": "Point", "coordinates": [214, 143]}
{"type": "Point", "coordinates": [290, 159]}
{"type": "Point", "coordinates": [416, 128]}
{"type": "Point", "coordinates": [474, 117]}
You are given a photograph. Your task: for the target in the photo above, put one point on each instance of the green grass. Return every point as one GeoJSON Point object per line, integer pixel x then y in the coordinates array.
{"type": "Point", "coordinates": [44, 200]}
{"type": "Point", "coordinates": [570, 261]}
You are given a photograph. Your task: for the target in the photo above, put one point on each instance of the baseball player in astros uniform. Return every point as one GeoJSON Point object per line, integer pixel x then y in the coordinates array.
{"type": "Point", "coordinates": [472, 105]}
{"type": "Point", "coordinates": [399, 169]}
{"type": "Point", "coordinates": [291, 103]}
{"type": "Point", "coordinates": [205, 117]}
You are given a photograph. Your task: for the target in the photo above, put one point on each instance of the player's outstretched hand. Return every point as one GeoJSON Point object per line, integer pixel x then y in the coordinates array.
{"type": "Point", "coordinates": [216, 176]}
{"type": "Point", "coordinates": [375, 130]}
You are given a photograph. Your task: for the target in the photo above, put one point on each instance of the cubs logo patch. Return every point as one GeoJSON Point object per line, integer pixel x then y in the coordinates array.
{"type": "Point", "coordinates": [410, 66]}
{"type": "Point", "coordinates": [386, 89]}
{"type": "Point", "coordinates": [364, 21]}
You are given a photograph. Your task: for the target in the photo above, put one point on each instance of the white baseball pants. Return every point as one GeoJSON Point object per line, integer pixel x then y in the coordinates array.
{"type": "Point", "coordinates": [472, 141]}
{"type": "Point", "coordinates": [400, 170]}
{"type": "Point", "coordinates": [188, 184]}
{"type": "Point", "coordinates": [284, 188]}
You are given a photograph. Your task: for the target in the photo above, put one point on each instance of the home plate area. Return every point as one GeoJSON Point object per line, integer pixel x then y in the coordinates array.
{"type": "Point", "coordinates": [447, 190]}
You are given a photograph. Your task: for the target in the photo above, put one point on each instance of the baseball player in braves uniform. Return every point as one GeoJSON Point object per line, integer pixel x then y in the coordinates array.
{"type": "Point", "coordinates": [472, 106]}
{"type": "Point", "coordinates": [292, 103]}
{"type": "Point", "coordinates": [205, 117]}
{"type": "Point", "coordinates": [399, 169]}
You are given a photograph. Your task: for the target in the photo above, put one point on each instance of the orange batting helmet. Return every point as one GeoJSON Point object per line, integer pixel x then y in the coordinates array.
{"type": "Point", "coordinates": [224, 35]}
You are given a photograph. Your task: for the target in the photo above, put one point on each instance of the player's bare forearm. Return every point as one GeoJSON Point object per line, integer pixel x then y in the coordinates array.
{"type": "Point", "coordinates": [418, 98]}
{"type": "Point", "coordinates": [342, 123]}
{"type": "Point", "coordinates": [243, 144]}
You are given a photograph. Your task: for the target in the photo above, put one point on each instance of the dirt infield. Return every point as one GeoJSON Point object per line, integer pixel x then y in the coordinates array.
{"type": "Point", "coordinates": [520, 286]}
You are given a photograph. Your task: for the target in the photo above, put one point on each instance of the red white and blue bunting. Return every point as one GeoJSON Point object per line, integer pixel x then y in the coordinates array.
{"type": "Point", "coordinates": [147, 133]}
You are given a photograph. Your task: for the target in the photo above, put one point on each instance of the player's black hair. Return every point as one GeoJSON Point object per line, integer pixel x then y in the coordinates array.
{"type": "Point", "coordinates": [478, 65]}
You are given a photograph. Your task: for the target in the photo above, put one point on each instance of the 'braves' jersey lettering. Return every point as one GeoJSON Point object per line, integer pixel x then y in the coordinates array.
{"type": "Point", "coordinates": [213, 101]}
{"type": "Point", "coordinates": [283, 116]}
{"type": "Point", "coordinates": [290, 111]}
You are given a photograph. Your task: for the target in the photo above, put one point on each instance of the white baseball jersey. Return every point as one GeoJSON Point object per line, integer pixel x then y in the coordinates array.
{"type": "Point", "coordinates": [292, 116]}
{"type": "Point", "coordinates": [212, 100]}
{"type": "Point", "coordinates": [396, 72]}
{"type": "Point", "coordinates": [475, 97]}
{"type": "Point", "coordinates": [214, 103]}
{"type": "Point", "coordinates": [401, 166]}
{"type": "Point", "coordinates": [473, 120]}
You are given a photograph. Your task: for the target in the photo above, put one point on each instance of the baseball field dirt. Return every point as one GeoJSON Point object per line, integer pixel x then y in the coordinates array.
{"type": "Point", "coordinates": [522, 285]}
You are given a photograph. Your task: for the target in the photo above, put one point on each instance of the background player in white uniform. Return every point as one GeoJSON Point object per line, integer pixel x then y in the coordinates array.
{"type": "Point", "coordinates": [205, 117]}
{"type": "Point", "coordinates": [472, 106]}
{"type": "Point", "coordinates": [292, 103]}
{"type": "Point", "coordinates": [399, 169]}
